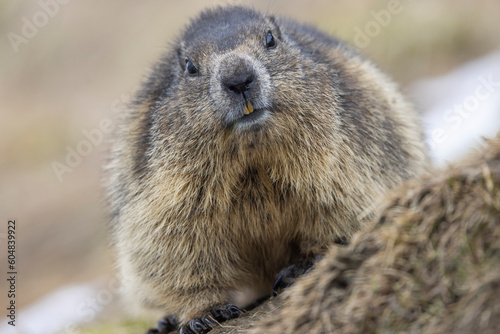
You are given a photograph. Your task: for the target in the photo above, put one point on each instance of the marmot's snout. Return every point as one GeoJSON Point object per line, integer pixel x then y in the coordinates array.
{"type": "Point", "coordinates": [237, 77]}
{"type": "Point", "coordinates": [242, 90]}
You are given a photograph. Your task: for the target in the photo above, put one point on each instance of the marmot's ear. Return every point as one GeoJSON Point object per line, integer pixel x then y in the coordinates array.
{"type": "Point", "coordinates": [275, 27]}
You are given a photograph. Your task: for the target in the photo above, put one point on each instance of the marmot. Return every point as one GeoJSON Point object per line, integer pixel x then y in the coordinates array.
{"type": "Point", "coordinates": [255, 143]}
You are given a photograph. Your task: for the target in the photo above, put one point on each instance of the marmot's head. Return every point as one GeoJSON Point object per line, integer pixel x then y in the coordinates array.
{"type": "Point", "coordinates": [228, 55]}
{"type": "Point", "coordinates": [234, 75]}
{"type": "Point", "coordinates": [230, 60]}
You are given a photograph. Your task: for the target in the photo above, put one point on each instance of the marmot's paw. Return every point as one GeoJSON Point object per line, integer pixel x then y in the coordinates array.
{"type": "Point", "coordinates": [218, 314]}
{"type": "Point", "coordinates": [165, 325]}
{"type": "Point", "coordinates": [225, 312]}
{"type": "Point", "coordinates": [287, 276]}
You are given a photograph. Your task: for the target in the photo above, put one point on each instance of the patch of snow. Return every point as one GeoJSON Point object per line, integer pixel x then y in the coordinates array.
{"type": "Point", "coordinates": [460, 108]}
{"type": "Point", "coordinates": [61, 311]}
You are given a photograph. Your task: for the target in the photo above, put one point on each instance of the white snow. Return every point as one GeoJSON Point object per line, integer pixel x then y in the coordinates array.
{"type": "Point", "coordinates": [460, 108]}
{"type": "Point", "coordinates": [59, 312]}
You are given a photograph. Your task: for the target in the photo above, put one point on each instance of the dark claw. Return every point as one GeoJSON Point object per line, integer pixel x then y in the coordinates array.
{"type": "Point", "coordinates": [167, 324]}
{"type": "Point", "coordinates": [209, 321]}
{"type": "Point", "coordinates": [234, 311]}
{"type": "Point", "coordinates": [185, 330]}
{"type": "Point", "coordinates": [225, 312]}
{"type": "Point", "coordinates": [198, 327]}
{"type": "Point", "coordinates": [217, 314]}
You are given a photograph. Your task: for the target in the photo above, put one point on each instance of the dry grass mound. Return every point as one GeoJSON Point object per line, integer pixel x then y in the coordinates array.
{"type": "Point", "coordinates": [430, 264]}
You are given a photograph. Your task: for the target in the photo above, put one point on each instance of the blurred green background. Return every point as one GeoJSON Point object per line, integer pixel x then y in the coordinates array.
{"type": "Point", "coordinates": [81, 66]}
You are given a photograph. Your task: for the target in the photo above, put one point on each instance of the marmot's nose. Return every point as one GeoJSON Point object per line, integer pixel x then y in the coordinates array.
{"type": "Point", "coordinates": [238, 84]}
{"type": "Point", "coordinates": [237, 76]}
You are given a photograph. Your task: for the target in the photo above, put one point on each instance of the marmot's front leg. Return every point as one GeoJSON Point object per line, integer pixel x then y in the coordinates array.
{"type": "Point", "coordinates": [204, 324]}
{"type": "Point", "coordinates": [198, 306]}
{"type": "Point", "coordinates": [217, 315]}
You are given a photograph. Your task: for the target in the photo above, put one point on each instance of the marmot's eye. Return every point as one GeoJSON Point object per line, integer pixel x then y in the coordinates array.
{"type": "Point", "coordinates": [190, 68]}
{"type": "Point", "coordinates": [270, 41]}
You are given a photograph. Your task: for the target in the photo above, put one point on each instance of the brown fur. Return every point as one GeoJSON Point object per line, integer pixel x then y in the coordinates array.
{"type": "Point", "coordinates": [429, 263]}
{"type": "Point", "coordinates": [202, 211]}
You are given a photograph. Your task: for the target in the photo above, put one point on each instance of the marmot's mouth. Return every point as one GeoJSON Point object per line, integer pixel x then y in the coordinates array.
{"type": "Point", "coordinates": [252, 117]}
{"type": "Point", "coordinates": [249, 119]}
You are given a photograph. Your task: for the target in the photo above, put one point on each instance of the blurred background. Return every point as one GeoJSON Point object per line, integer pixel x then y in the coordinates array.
{"type": "Point", "coordinates": [68, 69]}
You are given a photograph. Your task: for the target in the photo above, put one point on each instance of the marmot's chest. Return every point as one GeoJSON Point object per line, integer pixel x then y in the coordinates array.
{"type": "Point", "coordinates": [263, 205]}
{"type": "Point", "coordinates": [255, 186]}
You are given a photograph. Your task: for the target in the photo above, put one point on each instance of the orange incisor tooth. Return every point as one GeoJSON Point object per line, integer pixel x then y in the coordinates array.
{"type": "Point", "coordinates": [248, 108]}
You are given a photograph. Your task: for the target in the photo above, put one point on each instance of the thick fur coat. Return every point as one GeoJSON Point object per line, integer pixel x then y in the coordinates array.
{"type": "Point", "coordinates": [207, 202]}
